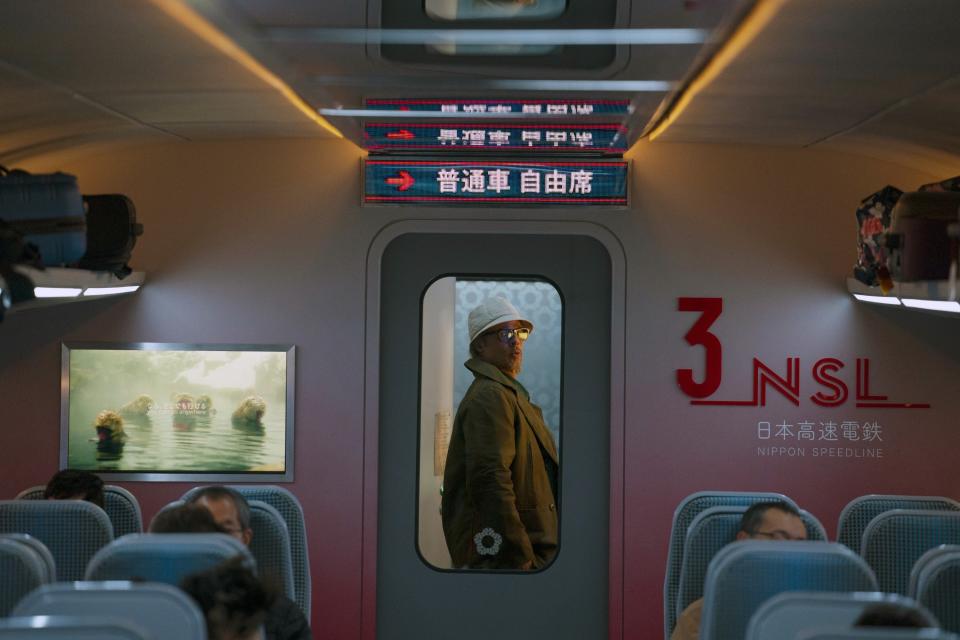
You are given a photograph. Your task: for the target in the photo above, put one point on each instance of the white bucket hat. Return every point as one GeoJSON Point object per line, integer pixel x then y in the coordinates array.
{"type": "Point", "coordinates": [491, 312]}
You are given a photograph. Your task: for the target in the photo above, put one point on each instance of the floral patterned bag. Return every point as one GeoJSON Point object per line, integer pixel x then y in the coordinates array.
{"type": "Point", "coordinates": [874, 220]}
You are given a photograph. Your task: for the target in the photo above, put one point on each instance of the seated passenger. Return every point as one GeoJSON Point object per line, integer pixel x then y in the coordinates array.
{"type": "Point", "coordinates": [887, 614]}
{"type": "Point", "coordinates": [187, 518]}
{"type": "Point", "coordinates": [71, 484]}
{"type": "Point", "coordinates": [230, 510]}
{"type": "Point", "coordinates": [234, 602]}
{"type": "Point", "coordinates": [775, 520]}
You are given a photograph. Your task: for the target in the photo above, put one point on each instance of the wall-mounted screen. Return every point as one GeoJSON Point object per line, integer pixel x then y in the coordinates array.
{"type": "Point", "coordinates": [172, 412]}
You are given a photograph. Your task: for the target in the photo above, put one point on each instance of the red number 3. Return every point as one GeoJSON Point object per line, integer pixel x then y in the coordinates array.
{"type": "Point", "coordinates": [710, 308]}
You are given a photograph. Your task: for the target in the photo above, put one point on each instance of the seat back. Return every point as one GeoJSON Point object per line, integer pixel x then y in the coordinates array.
{"type": "Point", "coordinates": [935, 583]}
{"type": "Point", "coordinates": [923, 562]}
{"type": "Point", "coordinates": [785, 616]}
{"type": "Point", "coordinates": [686, 511]}
{"type": "Point", "coordinates": [815, 530]}
{"type": "Point", "coordinates": [33, 493]}
{"type": "Point", "coordinates": [70, 628]}
{"type": "Point", "coordinates": [72, 530]}
{"type": "Point", "coordinates": [860, 511]}
{"type": "Point", "coordinates": [21, 571]}
{"type": "Point", "coordinates": [270, 546]}
{"type": "Point", "coordinates": [290, 510]}
{"type": "Point", "coordinates": [164, 557]}
{"type": "Point", "coordinates": [46, 558]}
{"type": "Point", "coordinates": [121, 506]}
{"type": "Point", "coordinates": [123, 509]}
{"type": "Point", "coordinates": [878, 633]}
{"type": "Point", "coordinates": [744, 575]}
{"type": "Point", "coordinates": [166, 507]}
{"type": "Point", "coordinates": [710, 531]}
{"type": "Point", "coordinates": [895, 540]}
{"type": "Point", "coordinates": [161, 610]}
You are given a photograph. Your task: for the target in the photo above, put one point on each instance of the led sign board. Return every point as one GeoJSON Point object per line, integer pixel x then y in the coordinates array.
{"type": "Point", "coordinates": [465, 183]}
{"type": "Point", "coordinates": [557, 107]}
{"type": "Point", "coordinates": [496, 137]}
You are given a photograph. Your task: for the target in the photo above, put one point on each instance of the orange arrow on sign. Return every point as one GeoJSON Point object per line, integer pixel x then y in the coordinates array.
{"type": "Point", "coordinates": [403, 182]}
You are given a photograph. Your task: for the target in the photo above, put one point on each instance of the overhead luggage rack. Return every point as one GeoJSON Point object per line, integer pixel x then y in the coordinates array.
{"type": "Point", "coordinates": [938, 296]}
{"type": "Point", "coordinates": [54, 286]}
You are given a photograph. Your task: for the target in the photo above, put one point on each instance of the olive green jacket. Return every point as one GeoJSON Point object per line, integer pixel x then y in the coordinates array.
{"type": "Point", "coordinates": [498, 506]}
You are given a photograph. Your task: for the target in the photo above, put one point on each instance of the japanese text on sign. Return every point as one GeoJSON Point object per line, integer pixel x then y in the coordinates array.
{"type": "Point", "coordinates": [499, 137]}
{"type": "Point", "coordinates": [498, 181]}
{"type": "Point", "coordinates": [608, 138]}
{"type": "Point", "coordinates": [820, 439]}
{"type": "Point", "coordinates": [533, 107]}
{"type": "Point", "coordinates": [815, 431]}
{"type": "Point", "coordinates": [507, 181]}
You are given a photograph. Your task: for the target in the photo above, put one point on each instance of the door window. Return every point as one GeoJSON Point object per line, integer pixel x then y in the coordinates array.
{"type": "Point", "coordinates": [445, 380]}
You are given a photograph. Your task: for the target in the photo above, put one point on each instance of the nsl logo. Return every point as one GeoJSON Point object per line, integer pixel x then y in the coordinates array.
{"type": "Point", "coordinates": [834, 390]}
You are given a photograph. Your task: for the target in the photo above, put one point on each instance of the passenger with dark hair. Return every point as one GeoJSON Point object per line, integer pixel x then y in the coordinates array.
{"type": "Point", "coordinates": [230, 510]}
{"type": "Point", "coordinates": [234, 602]}
{"type": "Point", "coordinates": [71, 484]}
{"type": "Point", "coordinates": [888, 614]}
{"type": "Point", "coordinates": [285, 620]}
{"type": "Point", "coordinates": [187, 518]}
{"type": "Point", "coordinates": [773, 520]}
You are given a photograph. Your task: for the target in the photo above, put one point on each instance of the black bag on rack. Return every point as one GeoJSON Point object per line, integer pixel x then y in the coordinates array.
{"type": "Point", "coordinates": [112, 231]}
{"type": "Point", "coordinates": [14, 286]}
{"type": "Point", "coordinates": [48, 211]}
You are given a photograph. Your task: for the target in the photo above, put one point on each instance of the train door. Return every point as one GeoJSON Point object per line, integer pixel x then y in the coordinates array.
{"type": "Point", "coordinates": [416, 597]}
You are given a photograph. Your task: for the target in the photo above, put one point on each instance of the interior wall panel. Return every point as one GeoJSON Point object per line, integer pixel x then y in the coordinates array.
{"type": "Point", "coordinates": [265, 242]}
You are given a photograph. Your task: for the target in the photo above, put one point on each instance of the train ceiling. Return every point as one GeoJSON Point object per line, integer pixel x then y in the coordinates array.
{"type": "Point", "coordinates": [880, 78]}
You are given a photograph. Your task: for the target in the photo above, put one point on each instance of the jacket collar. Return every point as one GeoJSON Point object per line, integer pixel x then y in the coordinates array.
{"type": "Point", "coordinates": [487, 370]}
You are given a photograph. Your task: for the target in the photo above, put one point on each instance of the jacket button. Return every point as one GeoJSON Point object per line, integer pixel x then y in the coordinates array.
{"type": "Point", "coordinates": [553, 507]}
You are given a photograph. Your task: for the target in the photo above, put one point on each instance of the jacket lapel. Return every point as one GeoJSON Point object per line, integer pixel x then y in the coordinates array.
{"type": "Point", "coordinates": [533, 417]}
{"type": "Point", "coordinates": [539, 429]}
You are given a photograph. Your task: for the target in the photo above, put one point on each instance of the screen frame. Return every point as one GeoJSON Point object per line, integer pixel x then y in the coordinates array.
{"type": "Point", "coordinates": [187, 476]}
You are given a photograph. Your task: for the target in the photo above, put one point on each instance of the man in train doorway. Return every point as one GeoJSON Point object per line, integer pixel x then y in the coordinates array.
{"type": "Point", "coordinates": [773, 520]}
{"type": "Point", "coordinates": [499, 505]}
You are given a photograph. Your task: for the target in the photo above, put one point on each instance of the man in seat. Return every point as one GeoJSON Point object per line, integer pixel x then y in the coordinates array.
{"type": "Point", "coordinates": [775, 520]}
{"type": "Point", "coordinates": [71, 484]}
{"type": "Point", "coordinates": [231, 512]}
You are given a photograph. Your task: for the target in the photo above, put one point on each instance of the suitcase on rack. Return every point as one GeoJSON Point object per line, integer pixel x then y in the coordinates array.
{"type": "Point", "coordinates": [112, 231]}
{"type": "Point", "coordinates": [48, 210]}
{"type": "Point", "coordinates": [925, 228]}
